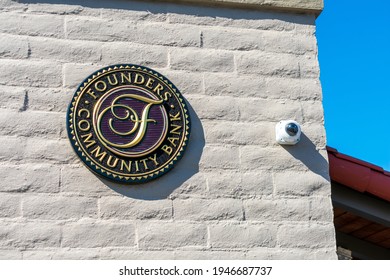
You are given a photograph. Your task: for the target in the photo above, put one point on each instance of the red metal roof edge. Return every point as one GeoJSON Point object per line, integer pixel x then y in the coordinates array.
{"type": "Point", "coordinates": [358, 174]}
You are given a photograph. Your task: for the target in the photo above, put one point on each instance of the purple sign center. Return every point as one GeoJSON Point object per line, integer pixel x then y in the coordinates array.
{"type": "Point", "coordinates": [130, 122]}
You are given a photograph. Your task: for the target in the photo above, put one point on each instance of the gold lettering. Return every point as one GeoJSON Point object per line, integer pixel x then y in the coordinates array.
{"type": "Point", "coordinates": [172, 140]}
{"type": "Point", "coordinates": [100, 156]}
{"type": "Point", "coordinates": [84, 110]}
{"type": "Point", "coordinates": [144, 162]}
{"type": "Point", "coordinates": [98, 88]}
{"type": "Point", "coordinates": [167, 95]}
{"type": "Point", "coordinates": [123, 77]}
{"type": "Point", "coordinates": [168, 150]}
{"type": "Point", "coordinates": [113, 165]}
{"type": "Point", "coordinates": [109, 80]}
{"type": "Point", "coordinates": [154, 159]}
{"type": "Point", "coordinates": [158, 88]}
{"type": "Point", "coordinates": [136, 166]}
{"type": "Point", "coordinates": [128, 166]}
{"type": "Point", "coordinates": [137, 81]}
{"type": "Point", "coordinates": [149, 83]}
{"type": "Point", "coordinates": [174, 130]}
{"type": "Point", "coordinates": [133, 116]}
{"type": "Point", "coordinates": [88, 140]}
{"type": "Point", "coordinates": [91, 93]}
{"type": "Point", "coordinates": [175, 117]}
{"type": "Point", "coordinates": [85, 128]}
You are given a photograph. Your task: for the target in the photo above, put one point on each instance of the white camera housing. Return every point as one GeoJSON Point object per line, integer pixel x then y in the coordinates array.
{"type": "Point", "coordinates": [288, 132]}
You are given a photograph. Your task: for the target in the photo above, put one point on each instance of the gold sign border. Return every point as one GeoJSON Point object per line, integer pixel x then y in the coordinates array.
{"type": "Point", "coordinates": [97, 167]}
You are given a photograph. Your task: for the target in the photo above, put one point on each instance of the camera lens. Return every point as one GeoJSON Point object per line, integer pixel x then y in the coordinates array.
{"type": "Point", "coordinates": [292, 129]}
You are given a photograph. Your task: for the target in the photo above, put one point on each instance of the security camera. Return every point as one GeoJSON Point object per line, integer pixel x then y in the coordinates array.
{"type": "Point", "coordinates": [288, 132]}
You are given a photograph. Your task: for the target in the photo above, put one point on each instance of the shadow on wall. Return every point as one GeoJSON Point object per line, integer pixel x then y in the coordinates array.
{"type": "Point", "coordinates": [183, 170]}
{"type": "Point", "coordinates": [306, 152]}
{"type": "Point", "coordinates": [164, 7]}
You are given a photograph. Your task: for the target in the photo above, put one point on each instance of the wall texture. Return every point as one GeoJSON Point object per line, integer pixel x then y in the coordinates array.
{"type": "Point", "coordinates": [235, 194]}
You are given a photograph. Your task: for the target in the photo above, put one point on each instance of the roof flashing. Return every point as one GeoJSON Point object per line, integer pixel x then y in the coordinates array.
{"type": "Point", "coordinates": [303, 6]}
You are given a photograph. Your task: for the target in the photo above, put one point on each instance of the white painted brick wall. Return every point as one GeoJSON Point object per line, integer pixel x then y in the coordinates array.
{"type": "Point", "coordinates": [235, 195]}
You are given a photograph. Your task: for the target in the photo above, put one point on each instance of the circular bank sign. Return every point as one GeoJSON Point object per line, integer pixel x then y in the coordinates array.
{"type": "Point", "coordinates": [128, 123]}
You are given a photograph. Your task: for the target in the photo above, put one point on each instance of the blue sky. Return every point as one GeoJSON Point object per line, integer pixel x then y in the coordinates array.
{"type": "Point", "coordinates": [354, 54]}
